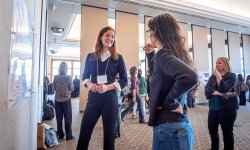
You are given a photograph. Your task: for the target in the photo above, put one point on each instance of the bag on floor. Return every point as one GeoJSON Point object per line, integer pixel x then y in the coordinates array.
{"type": "Point", "coordinates": [51, 102]}
{"type": "Point", "coordinates": [51, 139]}
{"type": "Point", "coordinates": [49, 113]}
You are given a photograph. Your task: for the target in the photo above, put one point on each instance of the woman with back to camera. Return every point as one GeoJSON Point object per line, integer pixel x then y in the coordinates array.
{"type": "Point", "coordinates": [99, 76]}
{"type": "Point", "coordinates": [241, 89]}
{"type": "Point", "coordinates": [63, 86]}
{"type": "Point", "coordinates": [221, 92]}
{"type": "Point", "coordinates": [172, 75]}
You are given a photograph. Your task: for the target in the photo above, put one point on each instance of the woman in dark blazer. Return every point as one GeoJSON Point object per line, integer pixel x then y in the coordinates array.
{"type": "Point", "coordinates": [101, 68]}
{"type": "Point", "coordinates": [220, 90]}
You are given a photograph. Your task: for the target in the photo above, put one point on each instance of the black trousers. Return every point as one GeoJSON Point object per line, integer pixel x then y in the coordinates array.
{"type": "Point", "coordinates": [64, 111]}
{"type": "Point", "coordinates": [105, 105]}
{"type": "Point", "coordinates": [242, 97]}
{"type": "Point", "coordinates": [226, 119]}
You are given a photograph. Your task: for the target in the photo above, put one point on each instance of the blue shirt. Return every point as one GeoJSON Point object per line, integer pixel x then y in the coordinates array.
{"type": "Point", "coordinates": [214, 105]}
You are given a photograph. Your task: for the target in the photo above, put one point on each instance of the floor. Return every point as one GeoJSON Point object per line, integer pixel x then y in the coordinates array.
{"type": "Point", "coordinates": [135, 136]}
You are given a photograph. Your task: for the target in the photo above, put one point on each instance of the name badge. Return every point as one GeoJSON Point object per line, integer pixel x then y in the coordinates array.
{"type": "Point", "coordinates": [101, 79]}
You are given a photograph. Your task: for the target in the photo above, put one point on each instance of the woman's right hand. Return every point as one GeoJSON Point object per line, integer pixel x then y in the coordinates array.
{"type": "Point", "coordinates": [92, 86]}
{"type": "Point", "coordinates": [178, 110]}
{"type": "Point", "coordinates": [148, 48]}
{"type": "Point", "coordinates": [134, 99]}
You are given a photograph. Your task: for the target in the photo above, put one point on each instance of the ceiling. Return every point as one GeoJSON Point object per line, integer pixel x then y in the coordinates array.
{"type": "Point", "coordinates": [228, 15]}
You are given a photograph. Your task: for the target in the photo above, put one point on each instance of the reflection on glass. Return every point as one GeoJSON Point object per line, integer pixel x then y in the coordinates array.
{"type": "Point", "coordinates": [20, 55]}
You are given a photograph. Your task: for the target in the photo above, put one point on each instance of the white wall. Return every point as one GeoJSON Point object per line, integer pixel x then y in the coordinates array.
{"type": "Point", "coordinates": [18, 124]}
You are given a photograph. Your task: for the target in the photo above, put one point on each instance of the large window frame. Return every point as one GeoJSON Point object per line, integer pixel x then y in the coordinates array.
{"type": "Point", "coordinates": [71, 68]}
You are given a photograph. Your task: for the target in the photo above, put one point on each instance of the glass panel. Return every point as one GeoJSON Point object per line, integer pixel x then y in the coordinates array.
{"type": "Point", "coordinates": [76, 65]}
{"type": "Point", "coordinates": [54, 71]}
{"type": "Point", "coordinates": [69, 65]}
{"type": "Point", "coordinates": [56, 64]}
{"type": "Point", "coordinates": [76, 72]}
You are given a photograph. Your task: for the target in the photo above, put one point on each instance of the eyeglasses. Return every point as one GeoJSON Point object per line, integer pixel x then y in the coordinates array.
{"type": "Point", "coordinates": [148, 32]}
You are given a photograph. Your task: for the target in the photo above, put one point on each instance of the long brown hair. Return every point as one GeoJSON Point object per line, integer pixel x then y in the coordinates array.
{"type": "Point", "coordinates": [99, 45]}
{"type": "Point", "coordinates": [166, 29]}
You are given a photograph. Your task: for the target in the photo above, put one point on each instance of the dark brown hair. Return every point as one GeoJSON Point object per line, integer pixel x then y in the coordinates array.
{"type": "Point", "coordinates": [99, 45]}
{"type": "Point", "coordinates": [166, 29]}
{"type": "Point", "coordinates": [133, 70]}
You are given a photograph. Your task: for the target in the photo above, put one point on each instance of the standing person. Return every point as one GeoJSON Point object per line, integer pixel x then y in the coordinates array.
{"type": "Point", "coordinates": [148, 78]}
{"type": "Point", "coordinates": [241, 89]}
{"type": "Point", "coordinates": [76, 90]}
{"type": "Point", "coordinates": [191, 96]}
{"type": "Point", "coordinates": [63, 87]}
{"type": "Point", "coordinates": [248, 84]}
{"type": "Point", "coordinates": [220, 90]}
{"type": "Point", "coordinates": [45, 90]}
{"type": "Point", "coordinates": [118, 120]}
{"type": "Point", "coordinates": [172, 76]}
{"type": "Point", "coordinates": [134, 96]}
{"type": "Point", "coordinates": [142, 92]}
{"type": "Point", "coordinates": [99, 75]}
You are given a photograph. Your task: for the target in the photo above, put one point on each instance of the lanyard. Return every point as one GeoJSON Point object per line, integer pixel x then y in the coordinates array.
{"type": "Point", "coordinates": [106, 67]}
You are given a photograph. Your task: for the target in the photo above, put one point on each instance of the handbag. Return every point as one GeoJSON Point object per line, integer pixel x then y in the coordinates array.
{"type": "Point", "coordinates": [244, 87]}
{"type": "Point", "coordinates": [51, 138]}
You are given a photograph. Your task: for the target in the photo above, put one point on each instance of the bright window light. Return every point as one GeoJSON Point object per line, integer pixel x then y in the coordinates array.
{"type": "Point", "coordinates": [75, 29]}
{"type": "Point", "coordinates": [227, 6]}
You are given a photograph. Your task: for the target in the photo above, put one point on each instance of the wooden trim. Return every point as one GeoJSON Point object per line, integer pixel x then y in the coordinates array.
{"type": "Point", "coordinates": [66, 60]}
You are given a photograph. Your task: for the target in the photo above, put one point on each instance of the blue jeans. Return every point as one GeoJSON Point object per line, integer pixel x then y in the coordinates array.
{"type": "Point", "coordinates": [173, 136]}
{"type": "Point", "coordinates": [131, 105]}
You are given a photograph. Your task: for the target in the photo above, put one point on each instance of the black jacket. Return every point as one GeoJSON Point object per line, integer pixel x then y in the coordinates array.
{"type": "Point", "coordinates": [170, 81]}
{"type": "Point", "coordinates": [227, 83]}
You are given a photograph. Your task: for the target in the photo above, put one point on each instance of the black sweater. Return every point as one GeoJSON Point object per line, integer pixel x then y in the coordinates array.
{"type": "Point", "coordinates": [227, 83]}
{"type": "Point", "coordinates": [170, 81]}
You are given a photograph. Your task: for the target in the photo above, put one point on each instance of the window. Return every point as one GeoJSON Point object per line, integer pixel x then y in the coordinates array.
{"type": "Point", "coordinates": [73, 68]}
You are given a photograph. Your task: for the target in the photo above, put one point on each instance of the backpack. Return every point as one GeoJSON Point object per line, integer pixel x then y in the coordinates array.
{"type": "Point", "coordinates": [48, 112]}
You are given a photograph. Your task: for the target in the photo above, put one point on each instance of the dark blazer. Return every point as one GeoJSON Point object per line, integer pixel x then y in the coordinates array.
{"type": "Point", "coordinates": [228, 83]}
{"type": "Point", "coordinates": [113, 67]}
{"type": "Point", "coordinates": [170, 81]}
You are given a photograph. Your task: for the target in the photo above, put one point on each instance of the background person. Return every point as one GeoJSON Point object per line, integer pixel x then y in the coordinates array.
{"type": "Point", "coordinates": [63, 87]}
{"type": "Point", "coordinates": [220, 90]}
{"type": "Point", "coordinates": [242, 88]}
{"type": "Point", "coordinates": [134, 96]}
{"type": "Point", "coordinates": [142, 92]}
{"type": "Point", "coordinates": [248, 84]}
{"type": "Point", "coordinates": [76, 91]}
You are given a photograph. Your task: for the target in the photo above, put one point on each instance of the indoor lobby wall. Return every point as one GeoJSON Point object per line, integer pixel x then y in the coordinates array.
{"type": "Point", "coordinates": [18, 122]}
